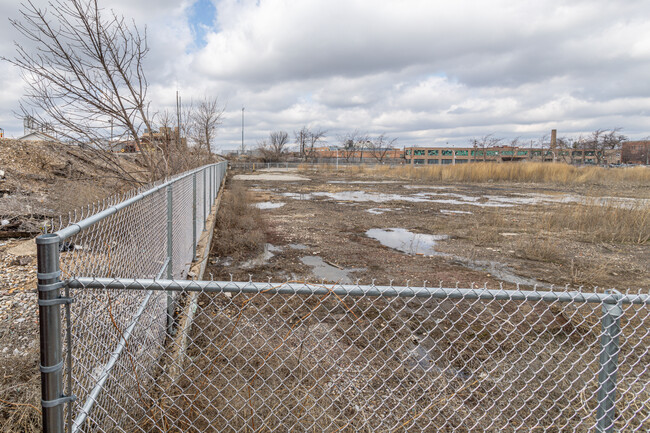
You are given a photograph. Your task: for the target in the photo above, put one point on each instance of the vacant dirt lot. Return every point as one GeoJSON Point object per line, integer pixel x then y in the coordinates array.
{"type": "Point", "coordinates": [451, 233]}
{"type": "Point", "coordinates": [347, 364]}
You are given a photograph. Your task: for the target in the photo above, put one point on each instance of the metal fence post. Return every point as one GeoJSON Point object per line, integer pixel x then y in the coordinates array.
{"type": "Point", "coordinates": [609, 350]}
{"type": "Point", "coordinates": [170, 253]}
{"type": "Point", "coordinates": [49, 311]}
{"type": "Point", "coordinates": [194, 217]}
{"type": "Point", "coordinates": [205, 201]}
{"type": "Point", "coordinates": [214, 182]}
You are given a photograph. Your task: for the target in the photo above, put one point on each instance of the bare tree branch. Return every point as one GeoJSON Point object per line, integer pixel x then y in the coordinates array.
{"type": "Point", "coordinates": [306, 139]}
{"type": "Point", "coordinates": [206, 118]}
{"type": "Point", "coordinates": [381, 146]}
{"type": "Point", "coordinates": [85, 77]}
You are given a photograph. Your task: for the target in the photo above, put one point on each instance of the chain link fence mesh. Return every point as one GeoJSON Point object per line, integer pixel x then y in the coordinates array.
{"type": "Point", "coordinates": [295, 357]}
{"type": "Point", "coordinates": [131, 240]}
{"type": "Point", "coordinates": [243, 357]}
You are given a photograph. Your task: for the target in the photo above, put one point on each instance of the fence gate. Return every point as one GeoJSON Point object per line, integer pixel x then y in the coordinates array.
{"type": "Point", "coordinates": [161, 353]}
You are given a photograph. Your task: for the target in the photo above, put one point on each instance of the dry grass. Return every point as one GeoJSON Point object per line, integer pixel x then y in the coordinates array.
{"type": "Point", "coordinates": [487, 231]}
{"type": "Point", "coordinates": [534, 172]}
{"type": "Point", "coordinates": [538, 248]}
{"type": "Point", "coordinates": [602, 222]}
{"type": "Point", "coordinates": [240, 228]}
{"type": "Point", "coordinates": [20, 394]}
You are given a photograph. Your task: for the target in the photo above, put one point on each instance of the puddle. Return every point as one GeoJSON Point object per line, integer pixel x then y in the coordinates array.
{"type": "Point", "coordinates": [447, 211]}
{"type": "Point", "coordinates": [269, 205]}
{"type": "Point", "coordinates": [263, 258]}
{"type": "Point", "coordinates": [363, 181]}
{"type": "Point", "coordinates": [297, 196]}
{"type": "Point", "coordinates": [426, 187]}
{"type": "Point", "coordinates": [406, 241]}
{"type": "Point", "coordinates": [327, 272]}
{"type": "Point", "coordinates": [380, 210]}
{"type": "Point", "coordinates": [499, 271]}
{"type": "Point", "coordinates": [415, 243]}
{"type": "Point", "coordinates": [422, 197]}
{"type": "Point", "coordinates": [298, 246]}
{"type": "Point", "coordinates": [451, 198]}
{"type": "Point", "coordinates": [362, 196]}
{"type": "Point", "coordinates": [271, 176]}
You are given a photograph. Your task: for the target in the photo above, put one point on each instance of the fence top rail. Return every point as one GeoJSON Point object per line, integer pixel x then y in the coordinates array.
{"type": "Point", "coordinates": [303, 288]}
{"type": "Point", "coordinates": [76, 227]}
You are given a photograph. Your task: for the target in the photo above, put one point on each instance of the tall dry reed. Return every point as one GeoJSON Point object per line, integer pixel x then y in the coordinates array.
{"type": "Point", "coordinates": [600, 221]}
{"type": "Point", "coordinates": [534, 172]}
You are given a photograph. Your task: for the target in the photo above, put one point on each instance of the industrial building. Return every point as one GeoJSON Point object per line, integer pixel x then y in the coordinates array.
{"type": "Point", "coordinates": [461, 155]}
{"type": "Point", "coordinates": [636, 152]}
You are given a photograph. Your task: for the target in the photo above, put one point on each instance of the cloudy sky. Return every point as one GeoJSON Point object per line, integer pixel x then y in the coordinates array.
{"type": "Point", "coordinates": [425, 72]}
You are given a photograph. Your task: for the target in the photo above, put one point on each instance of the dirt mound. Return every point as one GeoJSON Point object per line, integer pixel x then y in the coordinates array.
{"type": "Point", "coordinates": [40, 180]}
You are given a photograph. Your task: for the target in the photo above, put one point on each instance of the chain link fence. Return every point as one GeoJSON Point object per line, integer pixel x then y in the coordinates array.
{"type": "Point", "coordinates": [151, 233]}
{"type": "Point", "coordinates": [300, 357]}
{"type": "Point", "coordinates": [161, 353]}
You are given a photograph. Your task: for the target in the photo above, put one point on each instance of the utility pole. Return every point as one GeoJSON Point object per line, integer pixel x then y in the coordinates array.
{"type": "Point", "coordinates": [242, 130]}
{"type": "Point", "coordinates": [178, 119]}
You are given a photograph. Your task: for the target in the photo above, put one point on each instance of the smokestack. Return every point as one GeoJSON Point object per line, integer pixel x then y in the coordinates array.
{"type": "Point", "coordinates": [553, 138]}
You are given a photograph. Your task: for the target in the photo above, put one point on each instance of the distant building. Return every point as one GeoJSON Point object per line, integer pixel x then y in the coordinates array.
{"type": "Point", "coordinates": [163, 136]}
{"type": "Point", "coordinates": [125, 146]}
{"type": "Point", "coordinates": [462, 155]}
{"type": "Point", "coordinates": [37, 136]}
{"type": "Point", "coordinates": [636, 152]}
{"type": "Point", "coordinates": [358, 154]}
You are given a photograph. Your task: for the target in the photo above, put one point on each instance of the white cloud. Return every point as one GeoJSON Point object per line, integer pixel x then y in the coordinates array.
{"type": "Point", "coordinates": [422, 71]}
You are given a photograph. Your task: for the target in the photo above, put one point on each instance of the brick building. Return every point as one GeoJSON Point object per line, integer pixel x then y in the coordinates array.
{"type": "Point", "coordinates": [461, 155]}
{"type": "Point", "coordinates": [636, 152]}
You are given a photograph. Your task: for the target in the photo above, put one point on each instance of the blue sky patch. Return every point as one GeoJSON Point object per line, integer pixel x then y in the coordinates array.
{"type": "Point", "coordinates": [202, 16]}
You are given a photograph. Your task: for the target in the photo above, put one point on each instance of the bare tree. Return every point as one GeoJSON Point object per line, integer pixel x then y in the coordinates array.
{"type": "Point", "coordinates": [315, 137]}
{"type": "Point", "coordinates": [302, 138]}
{"type": "Point", "coordinates": [306, 139]}
{"type": "Point", "coordinates": [264, 150]}
{"type": "Point", "coordinates": [186, 119]}
{"type": "Point", "coordinates": [172, 143]}
{"type": "Point", "coordinates": [483, 143]}
{"type": "Point", "coordinates": [565, 152]}
{"type": "Point", "coordinates": [206, 118]}
{"type": "Point", "coordinates": [602, 140]}
{"type": "Point", "coordinates": [351, 144]}
{"type": "Point", "coordinates": [278, 140]}
{"type": "Point", "coordinates": [274, 148]}
{"type": "Point", "coordinates": [380, 146]}
{"type": "Point", "coordinates": [542, 141]}
{"type": "Point", "coordinates": [86, 74]}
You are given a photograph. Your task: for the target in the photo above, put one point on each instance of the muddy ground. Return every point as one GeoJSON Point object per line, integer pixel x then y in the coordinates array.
{"type": "Point", "coordinates": [266, 362]}
{"type": "Point", "coordinates": [482, 233]}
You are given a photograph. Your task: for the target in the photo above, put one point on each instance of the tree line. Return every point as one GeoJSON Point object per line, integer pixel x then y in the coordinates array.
{"type": "Point", "coordinates": [350, 146]}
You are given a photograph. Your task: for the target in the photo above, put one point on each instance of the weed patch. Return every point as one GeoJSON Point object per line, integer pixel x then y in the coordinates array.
{"type": "Point", "coordinates": [240, 231]}
{"type": "Point", "coordinates": [603, 222]}
{"type": "Point", "coordinates": [533, 172]}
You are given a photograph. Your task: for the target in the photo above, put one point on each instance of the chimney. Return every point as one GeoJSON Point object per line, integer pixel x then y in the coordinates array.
{"type": "Point", "coordinates": [553, 138]}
